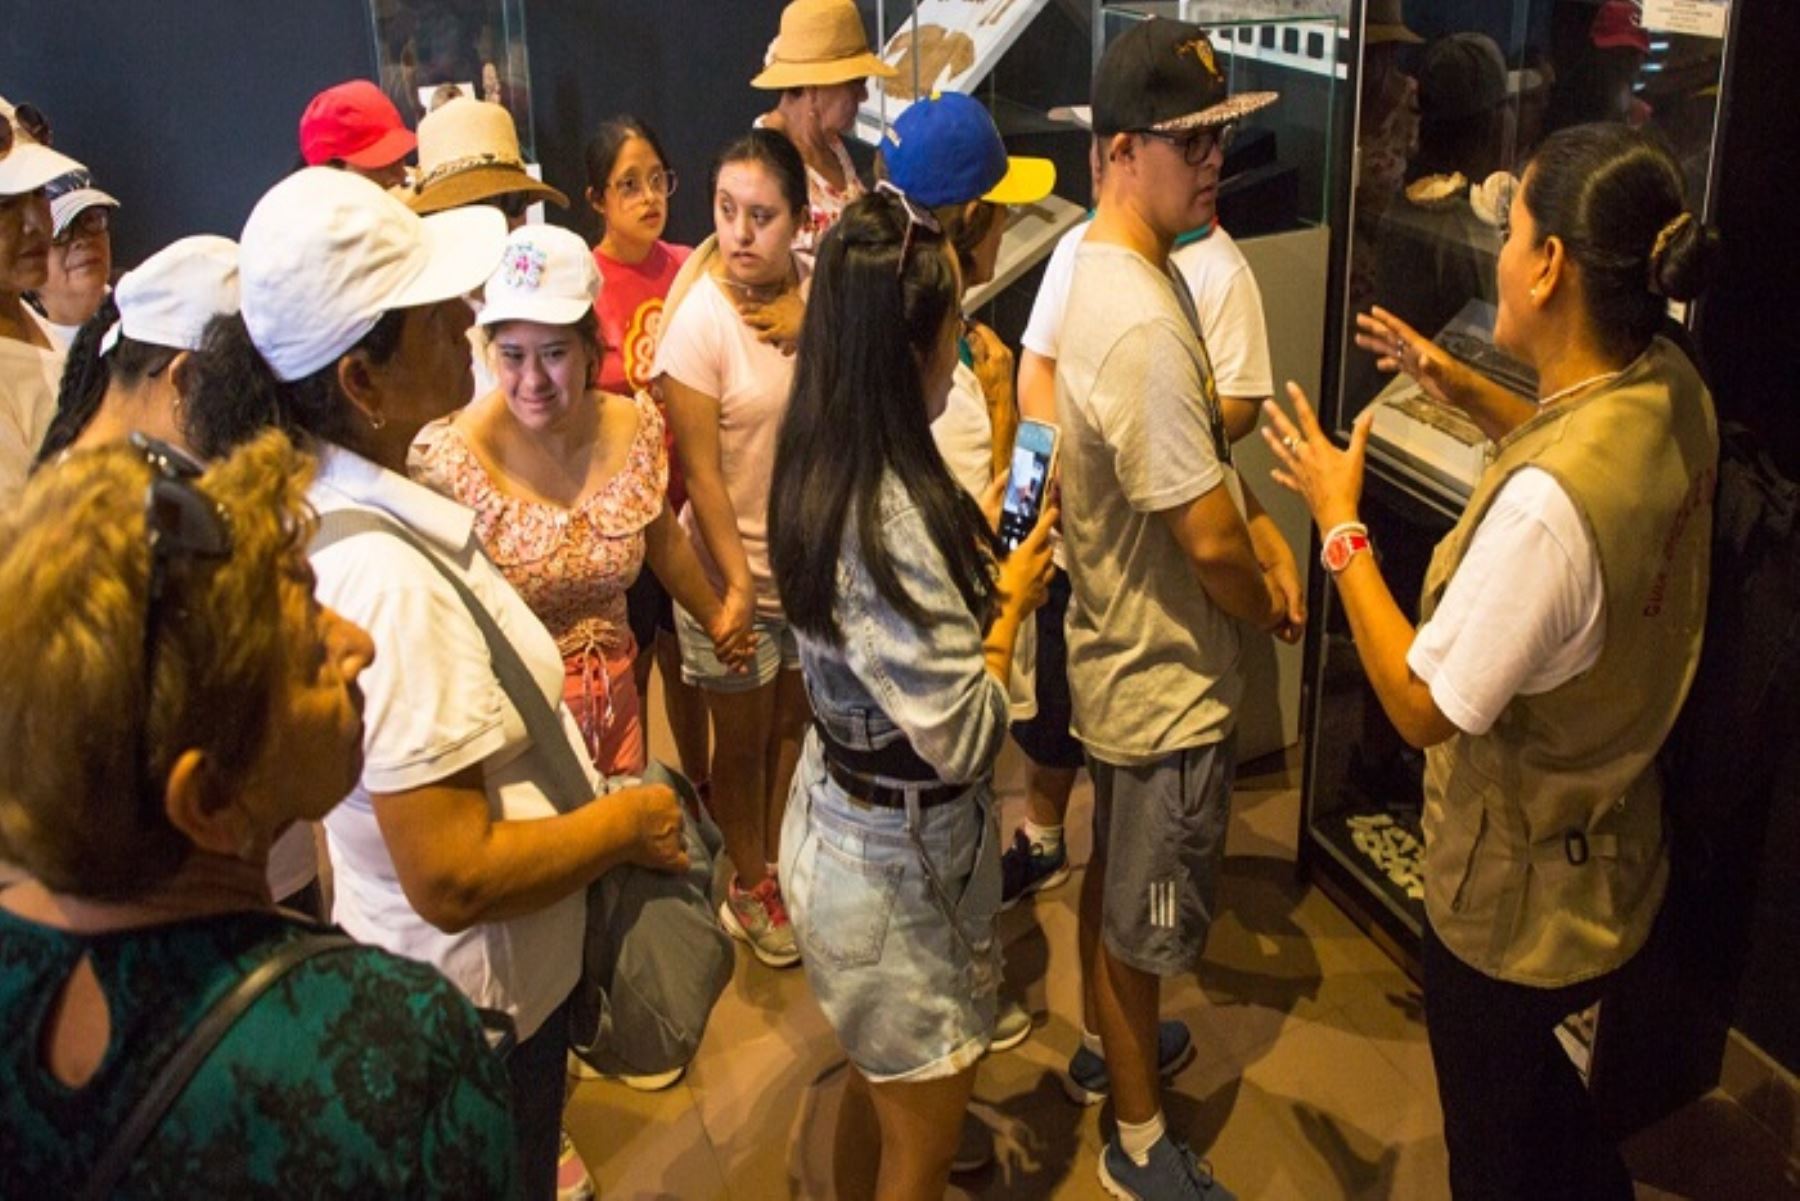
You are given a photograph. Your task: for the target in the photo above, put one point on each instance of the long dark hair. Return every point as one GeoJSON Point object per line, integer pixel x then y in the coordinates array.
{"type": "Point", "coordinates": [237, 395]}
{"type": "Point", "coordinates": [1614, 196]}
{"type": "Point", "coordinates": [87, 374]}
{"type": "Point", "coordinates": [857, 413]}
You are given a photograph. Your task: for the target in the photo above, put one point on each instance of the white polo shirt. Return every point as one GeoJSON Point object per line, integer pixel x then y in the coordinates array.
{"type": "Point", "coordinates": [434, 707]}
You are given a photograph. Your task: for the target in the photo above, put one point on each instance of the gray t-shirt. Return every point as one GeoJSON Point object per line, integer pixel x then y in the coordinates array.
{"type": "Point", "coordinates": [1153, 663]}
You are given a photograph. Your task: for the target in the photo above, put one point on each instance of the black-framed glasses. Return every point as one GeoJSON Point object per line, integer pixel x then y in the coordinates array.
{"type": "Point", "coordinates": [88, 223]}
{"type": "Point", "coordinates": [657, 183]}
{"type": "Point", "coordinates": [917, 217]}
{"type": "Point", "coordinates": [1196, 144]}
{"type": "Point", "coordinates": [181, 524]}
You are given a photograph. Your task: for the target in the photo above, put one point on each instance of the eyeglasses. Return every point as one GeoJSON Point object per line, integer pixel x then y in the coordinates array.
{"type": "Point", "coordinates": [916, 217]}
{"type": "Point", "coordinates": [88, 223]}
{"type": "Point", "coordinates": [657, 183]}
{"type": "Point", "coordinates": [180, 523]}
{"type": "Point", "coordinates": [1196, 144]}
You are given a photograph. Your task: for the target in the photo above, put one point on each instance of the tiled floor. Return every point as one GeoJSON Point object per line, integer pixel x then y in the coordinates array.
{"type": "Point", "coordinates": [1312, 1081]}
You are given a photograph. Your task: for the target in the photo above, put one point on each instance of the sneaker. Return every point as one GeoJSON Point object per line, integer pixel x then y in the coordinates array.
{"type": "Point", "coordinates": [1173, 1174]}
{"type": "Point", "coordinates": [1087, 1083]}
{"type": "Point", "coordinates": [1012, 1026]}
{"type": "Point", "coordinates": [572, 1180]}
{"type": "Point", "coordinates": [975, 1148]}
{"type": "Point", "coordinates": [1026, 868]}
{"type": "Point", "coordinates": [759, 918]}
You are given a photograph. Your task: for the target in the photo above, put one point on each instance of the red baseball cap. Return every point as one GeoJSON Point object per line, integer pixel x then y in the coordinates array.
{"type": "Point", "coordinates": [1618, 25]}
{"type": "Point", "coordinates": [354, 123]}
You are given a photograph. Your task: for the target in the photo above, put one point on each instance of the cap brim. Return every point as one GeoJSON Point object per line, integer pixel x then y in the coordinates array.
{"type": "Point", "coordinates": [778, 75]}
{"type": "Point", "coordinates": [544, 311]}
{"type": "Point", "coordinates": [386, 150]}
{"type": "Point", "coordinates": [1079, 115]}
{"type": "Point", "coordinates": [1027, 181]}
{"type": "Point", "coordinates": [29, 166]}
{"type": "Point", "coordinates": [1232, 108]}
{"type": "Point", "coordinates": [70, 205]}
{"type": "Point", "coordinates": [465, 247]}
{"type": "Point", "coordinates": [479, 183]}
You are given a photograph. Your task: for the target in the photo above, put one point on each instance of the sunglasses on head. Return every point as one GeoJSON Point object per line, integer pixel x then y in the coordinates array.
{"type": "Point", "coordinates": [182, 524]}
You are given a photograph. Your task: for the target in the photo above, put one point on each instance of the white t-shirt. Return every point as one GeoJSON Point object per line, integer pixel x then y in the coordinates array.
{"type": "Point", "coordinates": [1226, 299]}
{"type": "Point", "coordinates": [433, 707]}
{"type": "Point", "coordinates": [964, 434]}
{"type": "Point", "coordinates": [707, 347]}
{"type": "Point", "coordinates": [29, 379]}
{"type": "Point", "coordinates": [1525, 611]}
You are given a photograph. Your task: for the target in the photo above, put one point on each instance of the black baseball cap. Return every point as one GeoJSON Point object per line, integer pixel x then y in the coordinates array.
{"type": "Point", "coordinates": [1161, 75]}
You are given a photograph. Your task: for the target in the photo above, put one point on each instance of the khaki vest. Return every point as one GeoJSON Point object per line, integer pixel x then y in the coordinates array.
{"type": "Point", "coordinates": [1544, 854]}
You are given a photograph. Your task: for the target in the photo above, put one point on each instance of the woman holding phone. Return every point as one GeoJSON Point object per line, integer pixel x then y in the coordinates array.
{"type": "Point", "coordinates": [906, 619]}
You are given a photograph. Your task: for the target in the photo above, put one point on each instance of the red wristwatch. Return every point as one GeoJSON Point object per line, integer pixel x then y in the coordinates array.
{"type": "Point", "coordinates": [1341, 545]}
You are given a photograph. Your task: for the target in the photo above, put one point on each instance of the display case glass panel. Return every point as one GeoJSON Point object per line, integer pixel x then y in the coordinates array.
{"type": "Point", "coordinates": [429, 50]}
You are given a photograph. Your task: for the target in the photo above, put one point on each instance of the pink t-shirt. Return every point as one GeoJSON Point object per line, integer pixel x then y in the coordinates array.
{"type": "Point", "coordinates": [708, 348]}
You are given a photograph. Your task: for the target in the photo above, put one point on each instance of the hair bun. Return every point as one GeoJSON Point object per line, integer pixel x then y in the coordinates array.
{"type": "Point", "coordinates": [1681, 257]}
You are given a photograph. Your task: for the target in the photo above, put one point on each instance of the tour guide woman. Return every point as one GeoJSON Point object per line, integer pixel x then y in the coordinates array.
{"type": "Point", "coordinates": [1561, 624]}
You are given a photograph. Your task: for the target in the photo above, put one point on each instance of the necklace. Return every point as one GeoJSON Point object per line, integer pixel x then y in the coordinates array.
{"type": "Point", "coordinates": [1605, 377]}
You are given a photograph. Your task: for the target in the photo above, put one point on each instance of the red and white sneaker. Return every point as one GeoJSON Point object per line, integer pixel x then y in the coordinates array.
{"type": "Point", "coordinates": [759, 917]}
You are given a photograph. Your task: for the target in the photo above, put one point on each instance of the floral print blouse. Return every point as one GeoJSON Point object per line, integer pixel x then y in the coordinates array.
{"type": "Point", "coordinates": [571, 566]}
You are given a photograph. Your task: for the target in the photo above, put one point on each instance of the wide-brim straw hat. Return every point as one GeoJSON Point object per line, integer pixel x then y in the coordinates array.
{"type": "Point", "coordinates": [469, 152]}
{"type": "Point", "coordinates": [821, 42]}
{"type": "Point", "coordinates": [1385, 24]}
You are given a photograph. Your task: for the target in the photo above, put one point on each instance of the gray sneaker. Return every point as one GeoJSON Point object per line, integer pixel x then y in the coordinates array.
{"type": "Point", "coordinates": [1172, 1174]}
{"type": "Point", "coordinates": [759, 917]}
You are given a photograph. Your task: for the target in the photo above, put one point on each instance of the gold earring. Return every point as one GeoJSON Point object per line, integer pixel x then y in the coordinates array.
{"type": "Point", "coordinates": [377, 421]}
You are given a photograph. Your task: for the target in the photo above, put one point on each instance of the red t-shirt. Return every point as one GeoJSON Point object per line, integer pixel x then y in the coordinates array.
{"type": "Point", "coordinates": [630, 309]}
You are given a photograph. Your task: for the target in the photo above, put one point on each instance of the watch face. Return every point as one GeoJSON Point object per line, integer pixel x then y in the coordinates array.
{"type": "Point", "coordinates": [1337, 554]}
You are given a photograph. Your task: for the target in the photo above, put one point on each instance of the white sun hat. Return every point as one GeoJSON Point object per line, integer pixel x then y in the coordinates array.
{"type": "Point", "coordinates": [547, 274]}
{"type": "Point", "coordinates": [168, 299]}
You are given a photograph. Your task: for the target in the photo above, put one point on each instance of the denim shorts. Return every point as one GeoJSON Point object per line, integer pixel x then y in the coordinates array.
{"type": "Point", "coordinates": [776, 651]}
{"type": "Point", "coordinates": [899, 946]}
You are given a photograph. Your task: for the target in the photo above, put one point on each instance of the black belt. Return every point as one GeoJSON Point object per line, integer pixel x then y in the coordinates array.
{"type": "Point", "coordinates": [886, 796]}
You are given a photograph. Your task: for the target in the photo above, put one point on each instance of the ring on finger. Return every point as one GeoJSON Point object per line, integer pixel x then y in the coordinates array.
{"type": "Point", "coordinates": [1292, 443]}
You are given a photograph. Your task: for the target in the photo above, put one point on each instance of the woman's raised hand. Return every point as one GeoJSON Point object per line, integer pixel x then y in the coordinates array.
{"type": "Point", "coordinates": [1329, 480]}
{"type": "Point", "coordinates": [1397, 346]}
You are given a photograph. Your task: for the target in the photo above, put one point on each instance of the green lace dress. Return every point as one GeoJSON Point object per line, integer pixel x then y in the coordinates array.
{"type": "Point", "coordinates": [360, 1074]}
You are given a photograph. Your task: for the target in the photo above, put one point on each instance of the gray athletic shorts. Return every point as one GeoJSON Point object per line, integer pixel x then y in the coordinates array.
{"type": "Point", "coordinates": [1160, 828]}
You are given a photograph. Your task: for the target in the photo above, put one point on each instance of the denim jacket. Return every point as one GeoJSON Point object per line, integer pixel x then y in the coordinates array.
{"type": "Point", "coordinates": [890, 677]}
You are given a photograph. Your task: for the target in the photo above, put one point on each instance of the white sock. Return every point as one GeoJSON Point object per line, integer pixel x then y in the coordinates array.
{"type": "Point", "coordinates": [1048, 837]}
{"type": "Point", "coordinates": [1137, 1140]}
{"type": "Point", "coordinates": [1092, 1042]}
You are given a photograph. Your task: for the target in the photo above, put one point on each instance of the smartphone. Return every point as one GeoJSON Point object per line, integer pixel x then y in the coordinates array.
{"type": "Point", "coordinates": [1033, 465]}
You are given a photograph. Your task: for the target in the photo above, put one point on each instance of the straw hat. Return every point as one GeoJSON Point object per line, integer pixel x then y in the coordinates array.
{"type": "Point", "coordinates": [469, 151]}
{"type": "Point", "coordinates": [821, 43]}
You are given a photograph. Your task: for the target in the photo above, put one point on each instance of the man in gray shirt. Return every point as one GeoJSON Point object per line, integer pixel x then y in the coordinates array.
{"type": "Point", "coordinates": [1167, 553]}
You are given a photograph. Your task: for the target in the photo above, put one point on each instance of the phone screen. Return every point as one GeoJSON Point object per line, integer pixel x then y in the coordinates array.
{"type": "Point", "coordinates": [1034, 450]}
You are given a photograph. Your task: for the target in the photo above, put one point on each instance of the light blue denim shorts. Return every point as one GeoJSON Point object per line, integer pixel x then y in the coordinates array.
{"type": "Point", "coordinates": [894, 910]}
{"type": "Point", "coordinates": [777, 650]}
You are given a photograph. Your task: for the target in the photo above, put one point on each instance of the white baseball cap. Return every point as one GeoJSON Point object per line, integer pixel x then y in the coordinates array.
{"type": "Point", "coordinates": [546, 274]}
{"type": "Point", "coordinates": [325, 254]}
{"type": "Point", "coordinates": [169, 298]}
{"type": "Point", "coordinates": [70, 196]}
{"type": "Point", "coordinates": [26, 165]}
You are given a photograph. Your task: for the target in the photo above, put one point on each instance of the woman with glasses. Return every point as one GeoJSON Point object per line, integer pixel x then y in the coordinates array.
{"type": "Point", "coordinates": [629, 185]}
{"type": "Point", "coordinates": [906, 617]}
{"type": "Point", "coordinates": [358, 1072]}
{"type": "Point", "coordinates": [450, 848]}
{"type": "Point", "coordinates": [726, 389]}
{"type": "Point", "coordinates": [80, 254]}
{"type": "Point", "coordinates": [30, 355]}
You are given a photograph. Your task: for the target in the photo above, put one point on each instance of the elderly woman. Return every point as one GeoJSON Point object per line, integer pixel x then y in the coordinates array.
{"type": "Point", "coordinates": [820, 63]}
{"type": "Point", "coordinates": [358, 1073]}
{"type": "Point", "coordinates": [81, 257]}
{"type": "Point", "coordinates": [1560, 628]}
{"type": "Point", "coordinates": [30, 357]}
{"type": "Point", "coordinates": [449, 848]}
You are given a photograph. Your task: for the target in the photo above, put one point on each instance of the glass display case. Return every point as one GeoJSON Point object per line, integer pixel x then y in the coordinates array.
{"type": "Point", "coordinates": [427, 51]}
{"type": "Point", "coordinates": [1451, 98]}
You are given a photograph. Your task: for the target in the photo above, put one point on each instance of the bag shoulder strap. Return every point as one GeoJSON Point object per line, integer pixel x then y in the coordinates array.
{"type": "Point", "coordinates": [567, 786]}
{"type": "Point", "coordinates": [173, 1080]}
